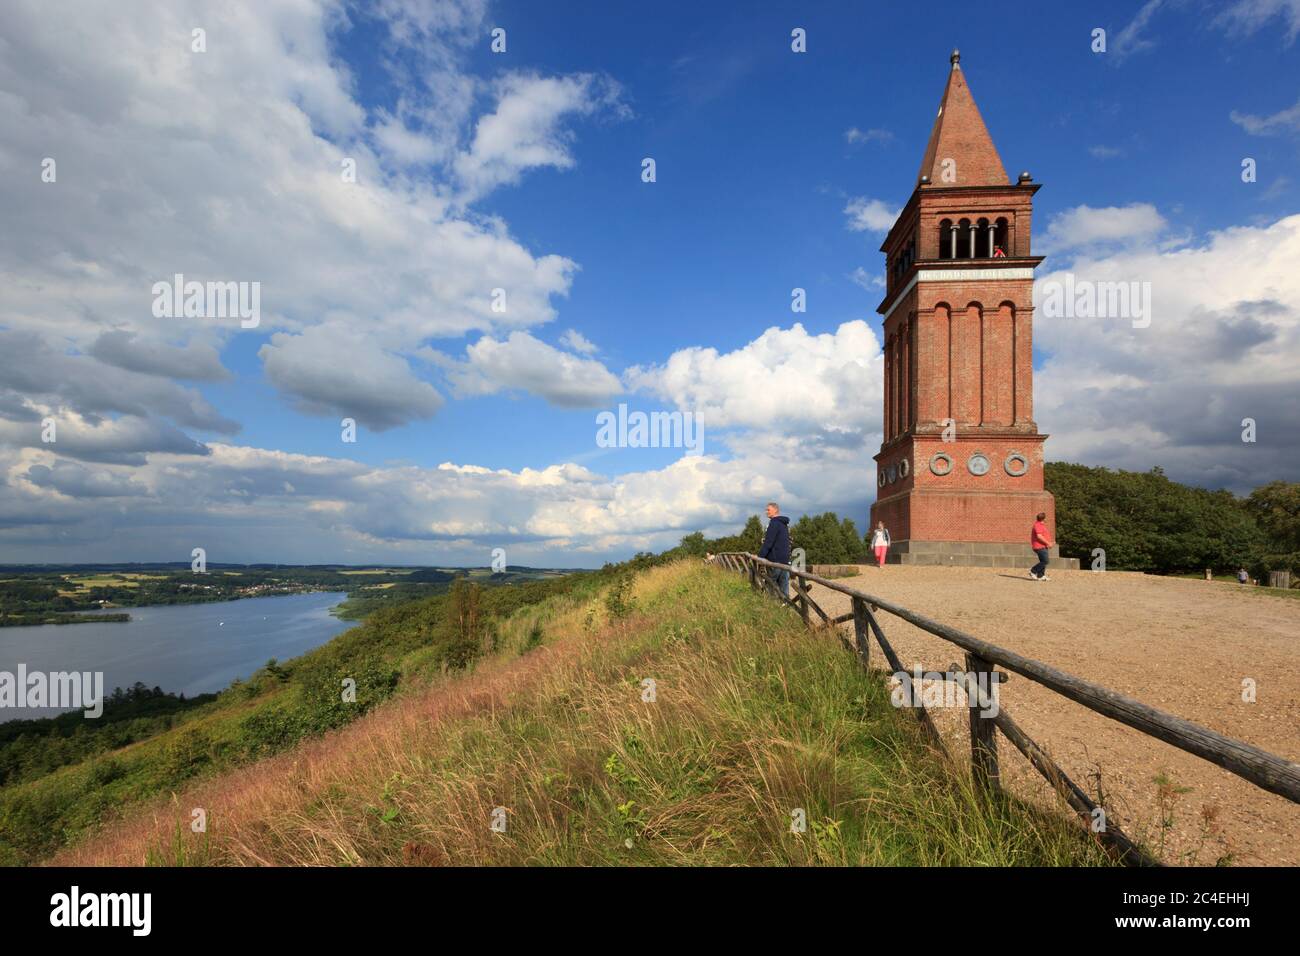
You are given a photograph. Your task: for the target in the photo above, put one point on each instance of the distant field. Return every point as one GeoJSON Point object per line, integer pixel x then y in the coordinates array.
{"type": "Point", "coordinates": [380, 571]}
{"type": "Point", "coordinates": [124, 579]}
{"type": "Point", "coordinates": [105, 581]}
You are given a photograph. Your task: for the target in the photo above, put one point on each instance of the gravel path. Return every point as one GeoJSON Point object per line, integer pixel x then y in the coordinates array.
{"type": "Point", "coordinates": [1181, 645]}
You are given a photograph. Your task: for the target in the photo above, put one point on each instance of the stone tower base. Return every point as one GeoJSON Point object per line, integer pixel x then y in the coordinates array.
{"type": "Point", "coordinates": [974, 554]}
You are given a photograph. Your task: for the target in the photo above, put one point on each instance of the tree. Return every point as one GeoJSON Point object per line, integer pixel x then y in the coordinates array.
{"type": "Point", "coordinates": [1146, 522]}
{"type": "Point", "coordinates": [693, 545]}
{"type": "Point", "coordinates": [854, 544]}
{"type": "Point", "coordinates": [826, 539]}
{"type": "Point", "coordinates": [1276, 509]}
{"type": "Point", "coordinates": [463, 625]}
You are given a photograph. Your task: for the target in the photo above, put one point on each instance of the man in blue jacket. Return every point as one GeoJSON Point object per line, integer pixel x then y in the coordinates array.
{"type": "Point", "coordinates": [776, 545]}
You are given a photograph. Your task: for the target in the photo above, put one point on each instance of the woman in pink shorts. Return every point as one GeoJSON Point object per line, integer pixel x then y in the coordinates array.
{"type": "Point", "coordinates": [880, 543]}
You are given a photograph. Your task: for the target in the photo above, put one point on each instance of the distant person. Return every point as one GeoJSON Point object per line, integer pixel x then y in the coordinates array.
{"type": "Point", "coordinates": [1040, 542]}
{"type": "Point", "coordinates": [776, 545]}
{"type": "Point", "coordinates": [880, 543]}
{"type": "Point", "coordinates": [1243, 577]}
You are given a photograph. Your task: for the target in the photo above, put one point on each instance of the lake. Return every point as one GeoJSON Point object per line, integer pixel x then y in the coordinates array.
{"type": "Point", "coordinates": [182, 648]}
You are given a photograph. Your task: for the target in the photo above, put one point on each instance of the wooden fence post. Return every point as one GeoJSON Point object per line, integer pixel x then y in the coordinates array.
{"type": "Point", "coordinates": [802, 590]}
{"type": "Point", "coordinates": [983, 732]}
{"type": "Point", "coordinates": [860, 631]}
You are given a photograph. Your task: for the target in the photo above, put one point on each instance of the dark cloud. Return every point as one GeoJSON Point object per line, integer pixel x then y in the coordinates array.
{"type": "Point", "coordinates": [331, 371]}
{"type": "Point", "coordinates": [126, 440]}
{"type": "Point", "coordinates": [30, 366]}
{"type": "Point", "coordinates": [77, 481]}
{"type": "Point", "coordinates": [194, 362]}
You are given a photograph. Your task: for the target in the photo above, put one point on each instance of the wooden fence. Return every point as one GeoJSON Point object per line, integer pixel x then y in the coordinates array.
{"type": "Point", "coordinates": [1261, 768]}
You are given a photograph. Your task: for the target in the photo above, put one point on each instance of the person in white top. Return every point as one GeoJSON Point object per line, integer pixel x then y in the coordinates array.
{"type": "Point", "coordinates": [880, 543]}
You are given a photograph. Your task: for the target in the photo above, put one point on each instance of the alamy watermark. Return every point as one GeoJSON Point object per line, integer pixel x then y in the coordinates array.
{"type": "Point", "coordinates": [1088, 299]}
{"type": "Point", "coordinates": [923, 688]}
{"type": "Point", "coordinates": [208, 300]}
{"type": "Point", "coordinates": [128, 910]}
{"type": "Point", "coordinates": [650, 430]}
{"type": "Point", "coordinates": [67, 690]}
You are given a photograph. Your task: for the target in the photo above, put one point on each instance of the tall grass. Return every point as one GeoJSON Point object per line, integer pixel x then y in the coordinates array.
{"type": "Point", "coordinates": [754, 725]}
{"type": "Point", "coordinates": [395, 650]}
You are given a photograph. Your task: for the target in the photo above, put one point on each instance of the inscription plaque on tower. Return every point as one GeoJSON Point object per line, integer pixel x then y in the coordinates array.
{"type": "Point", "coordinates": [958, 332]}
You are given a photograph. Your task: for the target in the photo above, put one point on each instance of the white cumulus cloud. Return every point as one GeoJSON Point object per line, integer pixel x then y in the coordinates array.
{"type": "Point", "coordinates": [1088, 226]}
{"type": "Point", "coordinates": [869, 215]}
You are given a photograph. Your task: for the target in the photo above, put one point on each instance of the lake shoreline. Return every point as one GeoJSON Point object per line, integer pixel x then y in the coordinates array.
{"type": "Point", "coordinates": [72, 617]}
{"type": "Point", "coordinates": [124, 617]}
{"type": "Point", "coordinates": [188, 649]}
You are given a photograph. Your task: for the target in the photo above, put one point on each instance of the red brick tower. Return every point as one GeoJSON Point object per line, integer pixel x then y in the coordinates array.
{"type": "Point", "coordinates": [960, 469]}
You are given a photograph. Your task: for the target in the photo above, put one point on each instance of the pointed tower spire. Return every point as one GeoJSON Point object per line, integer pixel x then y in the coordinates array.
{"type": "Point", "coordinates": [960, 151]}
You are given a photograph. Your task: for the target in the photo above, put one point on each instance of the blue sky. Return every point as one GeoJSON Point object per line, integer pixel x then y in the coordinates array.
{"type": "Point", "coordinates": [754, 169]}
{"type": "Point", "coordinates": [522, 170]}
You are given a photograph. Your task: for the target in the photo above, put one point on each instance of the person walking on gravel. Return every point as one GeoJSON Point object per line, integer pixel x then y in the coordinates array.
{"type": "Point", "coordinates": [1039, 541]}
{"type": "Point", "coordinates": [880, 543]}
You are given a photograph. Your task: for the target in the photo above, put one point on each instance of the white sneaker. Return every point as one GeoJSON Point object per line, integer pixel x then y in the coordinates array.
{"type": "Point", "coordinates": [1044, 578]}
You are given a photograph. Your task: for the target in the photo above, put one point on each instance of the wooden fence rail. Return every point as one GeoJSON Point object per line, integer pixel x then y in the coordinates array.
{"type": "Point", "coordinates": [1265, 770]}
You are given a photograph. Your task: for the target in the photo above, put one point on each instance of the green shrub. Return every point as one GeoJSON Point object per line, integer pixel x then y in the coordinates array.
{"type": "Point", "coordinates": [618, 599]}
{"type": "Point", "coordinates": [186, 755]}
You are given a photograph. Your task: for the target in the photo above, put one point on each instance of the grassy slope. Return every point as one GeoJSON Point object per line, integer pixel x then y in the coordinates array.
{"type": "Point", "coordinates": [754, 717]}
{"type": "Point", "coordinates": [395, 649]}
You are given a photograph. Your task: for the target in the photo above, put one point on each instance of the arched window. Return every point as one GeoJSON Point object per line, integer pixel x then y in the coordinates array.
{"type": "Point", "coordinates": [947, 240]}
{"type": "Point", "coordinates": [1000, 236]}
{"type": "Point", "coordinates": [905, 258]}
{"type": "Point", "coordinates": [983, 240]}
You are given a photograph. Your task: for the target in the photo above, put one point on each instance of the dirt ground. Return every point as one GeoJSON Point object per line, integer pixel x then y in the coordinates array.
{"type": "Point", "coordinates": [1183, 646]}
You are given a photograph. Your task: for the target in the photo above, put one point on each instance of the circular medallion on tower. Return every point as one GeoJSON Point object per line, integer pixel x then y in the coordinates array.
{"type": "Point", "coordinates": [904, 469]}
{"type": "Point", "coordinates": [940, 464]}
{"type": "Point", "coordinates": [893, 474]}
{"type": "Point", "coordinates": [880, 477]}
{"type": "Point", "coordinates": [1016, 464]}
{"type": "Point", "coordinates": [977, 464]}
